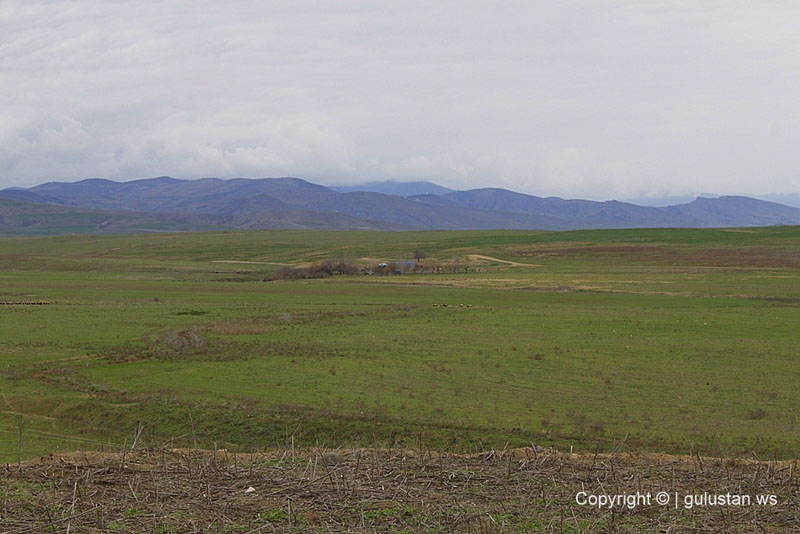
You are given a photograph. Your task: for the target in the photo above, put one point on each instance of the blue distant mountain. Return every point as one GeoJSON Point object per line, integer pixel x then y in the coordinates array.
{"type": "Point", "coordinates": [170, 204]}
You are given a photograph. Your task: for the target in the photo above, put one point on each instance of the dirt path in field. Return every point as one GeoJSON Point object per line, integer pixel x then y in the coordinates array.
{"type": "Point", "coordinates": [100, 253]}
{"type": "Point", "coordinates": [12, 410]}
{"type": "Point", "coordinates": [8, 403]}
{"type": "Point", "coordinates": [498, 260]}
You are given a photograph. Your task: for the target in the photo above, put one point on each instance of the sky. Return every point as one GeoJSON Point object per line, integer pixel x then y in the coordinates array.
{"type": "Point", "coordinates": [595, 99]}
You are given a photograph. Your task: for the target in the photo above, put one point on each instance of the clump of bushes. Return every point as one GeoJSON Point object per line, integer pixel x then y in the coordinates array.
{"type": "Point", "coordinates": [322, 269]}
{"type": "Point", "coordinates": [188, 339]}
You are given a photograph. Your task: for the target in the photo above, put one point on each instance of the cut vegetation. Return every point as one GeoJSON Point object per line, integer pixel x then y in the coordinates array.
{"type": "Point", "coordinates": [398, 491]}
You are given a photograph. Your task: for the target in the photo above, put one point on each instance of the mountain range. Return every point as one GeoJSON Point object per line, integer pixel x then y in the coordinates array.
{"type": "Point", "coordinates": [169, 204]}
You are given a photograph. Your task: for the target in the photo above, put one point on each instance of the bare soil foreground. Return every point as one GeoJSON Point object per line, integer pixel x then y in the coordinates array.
{"type": "Point", "coordinates": [379, 490]}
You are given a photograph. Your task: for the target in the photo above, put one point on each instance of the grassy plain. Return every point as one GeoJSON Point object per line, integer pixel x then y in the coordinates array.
{"type": "Point", "coordinates": [661, 340]}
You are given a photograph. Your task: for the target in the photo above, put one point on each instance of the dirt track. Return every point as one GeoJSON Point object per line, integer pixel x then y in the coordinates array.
{"type": "Point", "coordinates": [368, 490]}
{"type": "Point", "coordinates": [498, 260]}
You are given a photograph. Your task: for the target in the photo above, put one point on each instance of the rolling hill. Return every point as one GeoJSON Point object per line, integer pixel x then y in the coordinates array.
{"type": "Point", "coordinates": [27, 218]}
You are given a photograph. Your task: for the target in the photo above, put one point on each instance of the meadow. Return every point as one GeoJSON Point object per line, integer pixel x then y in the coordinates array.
{"type": "Point", "coordinates": [681, 341]}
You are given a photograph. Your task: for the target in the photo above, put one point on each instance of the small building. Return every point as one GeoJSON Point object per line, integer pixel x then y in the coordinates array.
{"type": "Point", "coordinates": [397, 267]}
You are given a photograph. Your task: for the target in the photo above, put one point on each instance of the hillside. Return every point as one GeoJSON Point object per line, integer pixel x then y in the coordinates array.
{"type": "Point", "coordinates": [168, 203]}
{"type": "Point", "coordinates": [700, 213]}
{"type": "Point", "coordinates": [733, 211]}
{"type": "Point", "coordinates": [19, 218]}
{"type": "Point", "coordinates": [28, 218]}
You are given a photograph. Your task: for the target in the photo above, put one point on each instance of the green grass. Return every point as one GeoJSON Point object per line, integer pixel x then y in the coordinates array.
{"type": "Point", "coordinates": [668, 340]}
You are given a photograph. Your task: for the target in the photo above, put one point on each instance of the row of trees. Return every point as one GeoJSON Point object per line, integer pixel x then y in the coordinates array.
{"type": "Point", "coordinates": [321, 269]}
{"type": "Point", "coordinates": [326, 268]}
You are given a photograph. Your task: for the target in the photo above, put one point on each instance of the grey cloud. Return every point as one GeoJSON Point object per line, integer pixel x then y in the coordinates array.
{"type": "Point", "coordinates": [596, 99]}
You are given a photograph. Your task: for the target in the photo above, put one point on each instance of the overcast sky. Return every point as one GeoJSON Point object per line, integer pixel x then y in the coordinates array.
{"type": "Point", "coordinates": [595, 99]}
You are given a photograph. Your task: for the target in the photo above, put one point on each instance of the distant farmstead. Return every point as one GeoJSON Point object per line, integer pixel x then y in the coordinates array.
{"type": "Point", "coordinates": [394, 267]}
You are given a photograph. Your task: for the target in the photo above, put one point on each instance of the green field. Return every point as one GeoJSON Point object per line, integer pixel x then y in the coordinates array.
{"type": "Point", "coordinates": [660, 340]}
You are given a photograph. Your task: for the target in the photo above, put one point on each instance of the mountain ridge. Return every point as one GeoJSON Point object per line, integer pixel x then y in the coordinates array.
{"type": "Point", "coordinates": [296, 203]}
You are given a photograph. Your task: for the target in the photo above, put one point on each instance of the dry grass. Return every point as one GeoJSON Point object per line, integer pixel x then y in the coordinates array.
{"type": "Point", "coordinates": [371, 490]}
